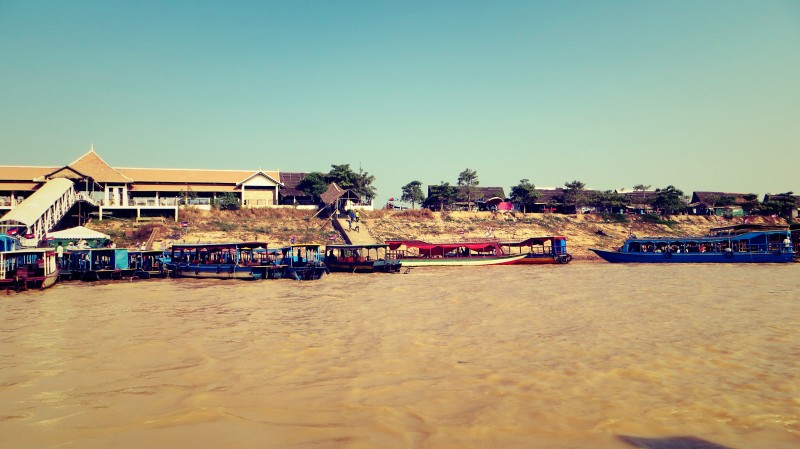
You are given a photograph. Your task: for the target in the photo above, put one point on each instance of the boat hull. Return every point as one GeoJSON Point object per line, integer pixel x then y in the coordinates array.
{"type": "Point", "coordinates": [460, 261]}
{"type": "Point", "coordinates": [538, 259]}
{"type": "Point", "coordinates": [378, 266]}
{"type": "Point", "coordinates": [718, 257]}
{"type": "Point", "coordinates": [222, 271]}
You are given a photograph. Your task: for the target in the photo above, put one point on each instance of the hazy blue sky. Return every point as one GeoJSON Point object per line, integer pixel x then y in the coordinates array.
{"type": "Point", "coordinates": [704, 95]}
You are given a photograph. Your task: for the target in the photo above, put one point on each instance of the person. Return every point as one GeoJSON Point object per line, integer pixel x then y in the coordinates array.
{"type": "Point", "coordinates": [358, 216]}
{"type": "Point", "coordinates": [349, 224]}
{"type": "Point", "coordinates": [60, 255]}
{"type": "Point", "coordinates": [351, 214]}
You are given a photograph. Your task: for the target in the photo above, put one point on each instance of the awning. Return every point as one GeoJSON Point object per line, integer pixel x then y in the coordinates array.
{"type": "Point", "coordinates": [77, 233]}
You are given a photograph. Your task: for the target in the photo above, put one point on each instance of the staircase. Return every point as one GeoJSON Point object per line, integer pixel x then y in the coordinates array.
{"type": "Point", "coordinates": [153, 236]}
{"type": "Point", "coordinates": [359, 235]}
{"type": "Point", "coordinates": [40, 212]}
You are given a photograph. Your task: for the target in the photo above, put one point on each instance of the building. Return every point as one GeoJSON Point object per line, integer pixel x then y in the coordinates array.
{"type": "Point", "coordinates": [126, 191]}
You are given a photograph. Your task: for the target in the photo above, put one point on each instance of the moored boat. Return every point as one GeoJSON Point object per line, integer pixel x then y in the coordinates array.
{"type": "Point", "coordinates": [28, 268]}
{"type": "Point", "coordinates": [417, 253]}
{"type": "Point", "coordinates": [244, 260]}
{"type": "Point", "coordinates": [303, 261]}
{"type": "Point", "coordinates": [146, 264]}
{"type": "Point", "coordinates": [95, 264]}
{"type": "Point", "coordinates": [360, 259]}
{"type": "Point", "coordinates": [539, 250]}
{"type": "Point", "coordinates": [724, 245]}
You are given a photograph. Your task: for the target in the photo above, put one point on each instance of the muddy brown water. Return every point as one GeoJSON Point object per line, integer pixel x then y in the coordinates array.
{"type": "Point", "coordinates": [495, 357]}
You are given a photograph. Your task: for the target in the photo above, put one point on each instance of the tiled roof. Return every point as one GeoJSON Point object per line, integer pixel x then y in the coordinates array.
{"type": "Point", "coordinates": [26, 174]}
{"type": "Point", "coordinates": [481, 193]}
{"type": "Point", "coordinates": [708, 198]}
{"type": "Point", "coordinates": [782, 197]}
{"type": "Point", "coordinates": [332, 194]}
{"type": "Point", "coordinates": [290, 182]}
{"type": "Point", "coordinates": [182, 175]}
{"type": "Point", "coordinates": [90, 164]}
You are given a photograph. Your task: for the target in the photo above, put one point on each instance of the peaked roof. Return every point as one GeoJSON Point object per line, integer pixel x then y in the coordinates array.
{"type": "Point", "coordinates": [290, 182]}
{"type": "Point", "coordinates": [92, 165]}
{"type": "Point", "coordinates": [709, 198]}
{"type": "Point", "coordinates": [333, 193]}
{"type": "Point", "coordinates": [253, 175]}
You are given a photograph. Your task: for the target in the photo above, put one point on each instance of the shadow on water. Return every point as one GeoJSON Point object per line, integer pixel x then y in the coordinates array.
{"type": "Point", "coordinates": [670, 443]}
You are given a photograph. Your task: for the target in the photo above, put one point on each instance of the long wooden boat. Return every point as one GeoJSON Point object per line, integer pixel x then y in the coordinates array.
{"type": "Point", "coordinates": [417, 253]}
{"type": "Point", "coordinates": [360, 259]}
{"type": "Point", "coordinates": [539, 250]}
{"type": "Point", "coordinates": [95, 264]}
{"type": "Point", "coordinates": [243, 260]}
{"type": "Point", "coordinates": [147, 264]}
{"type": "Point", "coordinates": [28, 268]}
{"type": "Point", "coordinates": [755, 246]}
{"type": "Point", "coordinates": [303, 261]}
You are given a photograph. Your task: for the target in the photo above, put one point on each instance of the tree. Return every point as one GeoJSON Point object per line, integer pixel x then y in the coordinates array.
{"type": "Point", "coordinates": [467, 181]}
{"type": "Point", "coordinates": [228, 201]}
{"type": "Point", "coordinates": [669, 200]}
{"type": "Point", "coordinates": [188, 195]}
{"type": "Point", "coordinates": [412, 193]}
{"type": "Point", "coordinates": [342, 175]}
{"type": "Point", "coordinates": [641, 188]}
{"type": "Point", "coordinates": [525, 195]}
{"type": "Point", "coordinates": [574, 194]}
{"type": "Point", "coordinates": [360, 183]}
{"type": "Point", "coordinates": [609, 200]}
{"type": "Point", "coordinates": [313, 184]}
{"type": "Point", "coordinates": [441, 195]}
{"type": "Point", "coordinates": [750, 203]}
{"type": "Point", "coordinates": [363, 187]}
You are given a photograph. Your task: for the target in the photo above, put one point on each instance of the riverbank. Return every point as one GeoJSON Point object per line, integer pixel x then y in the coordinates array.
{"type": "Point", "coordinates": [278, 226]}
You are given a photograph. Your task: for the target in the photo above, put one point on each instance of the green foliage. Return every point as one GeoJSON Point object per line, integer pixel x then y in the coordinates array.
{"type": "Point", "coordinates": [228, 201]}
{"type": "Point", "coordinates": [669, 200]}
{"type": "Point", "coordinates": [441, 195]}
{"type": "Point", "coordinates": [412, 193]}
{"type": "Point", "coordinates": [656, 219]}
{"type": "Point", "coordinates": [614, 218]}
{"type": "Point", "coordinates": [609, 200]}
{"type": "Point", "coordinates": [574, 193]}
{"type": "Point", "coordinates": [525, 195]}
{"type": "Point", "coordinates": [360, 183]}
{"type": "Point", "coordinates": [313, 184]}
{"type": "Point", "coordinates": [467, 181]}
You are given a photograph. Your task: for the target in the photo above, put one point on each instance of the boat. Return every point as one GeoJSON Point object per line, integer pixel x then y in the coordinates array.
{"type": "Point", "coordinates": [243, 260]}
{"type": "Point", "coordinates": [360, 259]}
{"type": "Point", "coordinates": [539, 250]}
{"type": "Point", "coordinates": [303, 261]}
{"type": "Point", "coordinates": [28, 268]}
{"type": "Point", "coordinates": [733, 244]}
{"type": "Point", "coordinates": [95, 264]}
{"type": "Point", "coordinates": [417, 253]}
{"type": "Point", "coordinates": [147, 264]}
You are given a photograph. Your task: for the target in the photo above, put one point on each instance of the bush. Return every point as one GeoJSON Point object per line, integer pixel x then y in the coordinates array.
{"type": "Point", "coordinates": [614, 218]}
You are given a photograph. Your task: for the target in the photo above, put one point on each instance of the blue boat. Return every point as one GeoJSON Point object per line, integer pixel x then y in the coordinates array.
{"type": "Point", "coordinates": [244, 260]}
{"type": "Point", "coordinates": [95, 264]}
{"type": "Point", "coordinates": [303, 262]}
{"type": "Point", "coordinates": [733, 244]}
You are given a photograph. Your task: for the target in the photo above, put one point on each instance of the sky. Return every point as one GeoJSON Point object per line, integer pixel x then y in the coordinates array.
{"type": "Point", "coordinates": [702, 95]}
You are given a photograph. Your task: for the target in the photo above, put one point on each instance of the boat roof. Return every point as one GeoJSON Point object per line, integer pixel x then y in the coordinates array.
{"type": "Point", "coordinates": [28, 251]}
{"type": "Point", "coordinates": [475, 245]}
{"type": "Point", "coordinates": [742, 228]}
{"type": "Point", "coordinates": [210, 246]}
{"type": "Point", "coordinates": [367, 246]}
{"type": "Point", "coordinates": [534, 240]}
{"type": "Point", "coordinates": [706, 238]}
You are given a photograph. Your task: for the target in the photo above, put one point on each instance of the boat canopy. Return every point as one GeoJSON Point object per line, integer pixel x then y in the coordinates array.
{"type": "Point", "coordinates": [534, 241]}
{"type": "Point", "coordinates": [425, 247]}
{"type": "Point", "coordinates": [218, 246]}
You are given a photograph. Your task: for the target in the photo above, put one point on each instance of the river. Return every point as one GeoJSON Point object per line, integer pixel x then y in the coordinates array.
{"type": "Point", "coordinates": [567, 357]}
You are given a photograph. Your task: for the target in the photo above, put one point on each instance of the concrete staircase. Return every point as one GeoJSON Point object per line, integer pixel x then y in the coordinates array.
{"type": "Point", "coordinates": [359, 235]}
